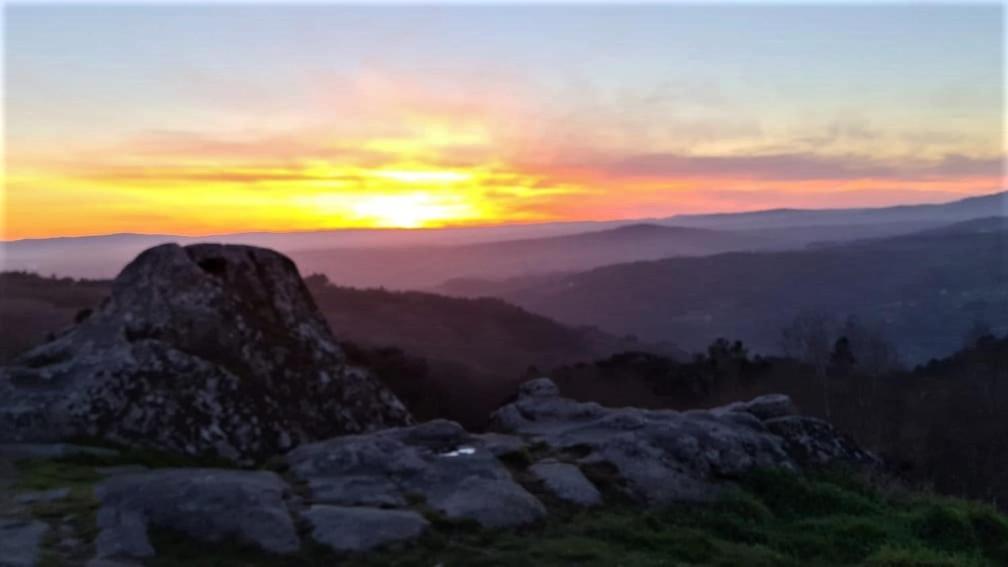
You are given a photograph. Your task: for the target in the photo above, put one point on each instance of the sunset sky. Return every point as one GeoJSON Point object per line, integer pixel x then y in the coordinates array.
{"type": "Point", "coordinates": [191, 119]}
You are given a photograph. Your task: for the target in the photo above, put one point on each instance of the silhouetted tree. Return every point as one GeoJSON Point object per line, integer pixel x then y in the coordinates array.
{"type": "Point", "coordinates": [807, 338]}
{"type": "Point", "coordinates": [842, 361]}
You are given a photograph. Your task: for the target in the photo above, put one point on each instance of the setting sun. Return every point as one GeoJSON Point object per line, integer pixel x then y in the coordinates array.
{"type": "Point", "coordinates": [414, 210]}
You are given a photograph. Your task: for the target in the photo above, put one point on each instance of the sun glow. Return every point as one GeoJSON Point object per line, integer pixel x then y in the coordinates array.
{"type": "Point", "coordinates": [424, 176]}
{"type": "Point", "coordinates": [415, 210]}
{"type": "Point", "coordinates": [430, 175]}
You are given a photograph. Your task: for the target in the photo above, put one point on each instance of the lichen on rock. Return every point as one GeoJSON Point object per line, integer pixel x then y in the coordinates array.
{"type": "Point", "coordinates": [200, 349]}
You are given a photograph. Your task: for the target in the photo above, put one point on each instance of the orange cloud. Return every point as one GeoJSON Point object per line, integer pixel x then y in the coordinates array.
{"type": "Point", "coordinates": [410, 157]}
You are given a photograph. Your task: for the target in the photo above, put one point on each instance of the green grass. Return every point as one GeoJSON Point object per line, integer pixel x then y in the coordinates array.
{"type": "Point", "coordinates": [770, 519]}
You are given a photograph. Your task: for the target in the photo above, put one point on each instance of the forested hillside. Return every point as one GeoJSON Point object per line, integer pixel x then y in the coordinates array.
{"type": "Point", "coordinates": [922, 291]}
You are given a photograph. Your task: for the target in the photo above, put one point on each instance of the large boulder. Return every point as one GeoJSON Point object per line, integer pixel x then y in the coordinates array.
{"type": "Point", "coordinates": [204, 348]}
{"type": "Point", "coordinates": [436, 463]}
{"type": "Point", "coordinates": [205, 504]}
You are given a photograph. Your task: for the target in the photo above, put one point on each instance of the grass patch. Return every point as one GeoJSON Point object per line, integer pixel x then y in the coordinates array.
{"type": "Point", "coordinates": [768, 519]}
{"type": "Point", "coordinates": [47, 474]}
{"type": "Point", "coordinates": [916, 556]}
{"type": "Point", "coordinates": [150, 458]}
{"type": "Point", "coordinates": [73, 516]}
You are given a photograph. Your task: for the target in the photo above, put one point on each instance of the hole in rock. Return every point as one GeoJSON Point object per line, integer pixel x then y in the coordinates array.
{"type": "Point", "coordinates": [215, 266]}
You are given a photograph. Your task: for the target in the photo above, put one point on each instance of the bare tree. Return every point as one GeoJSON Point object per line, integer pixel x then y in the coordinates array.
{"type": "Point", "coordinates": [876, 354]}
{"type": "Point", "coordinates": [809, 338]}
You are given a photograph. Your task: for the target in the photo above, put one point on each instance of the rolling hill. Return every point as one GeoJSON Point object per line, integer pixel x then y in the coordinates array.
{"type": "Point", "coordinates": [924, 290]}
{"type": "Point", "coordinates": [425, 259]}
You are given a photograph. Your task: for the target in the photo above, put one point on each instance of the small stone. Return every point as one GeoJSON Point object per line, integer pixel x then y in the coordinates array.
{"type": "Point", "coordinates": [539, 388]}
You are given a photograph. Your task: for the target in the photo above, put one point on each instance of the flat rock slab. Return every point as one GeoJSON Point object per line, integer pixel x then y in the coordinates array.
{"type": "Point", "coordinates": [662, 456]}
{"type": "Point", "coordinates": [492, 503]}
{"type": "Point", "coordinates": [354, 529]}
{"type": "Point", "coordinates": [437, 462]}
{"type": "Point", "coordinates": [20, 541]}
{"type": "Point", "coordinates": [659, 456]}
{"type": "Point", "coordinates": [206, 504]}
{"type": "Point", "coordinates": [567, 482]}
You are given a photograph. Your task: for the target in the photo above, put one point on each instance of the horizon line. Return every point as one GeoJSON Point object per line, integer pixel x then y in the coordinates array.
{"type": "Point", "coordinates": [388, 229]}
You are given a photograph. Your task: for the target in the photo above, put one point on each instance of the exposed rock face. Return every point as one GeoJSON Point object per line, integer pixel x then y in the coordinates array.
{"type": "Point", "coordinates": [437, 462]}
{"type": "Point", "coordinates": [204, 348]}
{"type": "Point", "coordinates": [662, 456]}
{"type": "Point", "coordinates": [359, 492]}
{"type": "Point", "coordinates": [205, 504]}
{"type": "Point", "coordinates": [814, 442]}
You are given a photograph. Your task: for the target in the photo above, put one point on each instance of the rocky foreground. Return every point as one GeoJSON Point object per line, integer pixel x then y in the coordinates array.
{"type": "Point", "coordinates": [219, 350]}
{"type": "Point", "coordinates": [356, 493]}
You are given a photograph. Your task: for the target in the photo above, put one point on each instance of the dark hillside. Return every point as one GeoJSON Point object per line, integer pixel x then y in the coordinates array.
{"type": "Point", "coordinates": [924, 290]}
{"type": "Point", "coordinates": [32, 307]}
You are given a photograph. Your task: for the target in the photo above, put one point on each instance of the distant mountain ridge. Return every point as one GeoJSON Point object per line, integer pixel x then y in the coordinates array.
{"type": "Point", "coordinates": [424, 259]}
{"type": "Point", "coordinates": [923, 289]}
{"type": "Point", "coordinates": [995, 204]}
